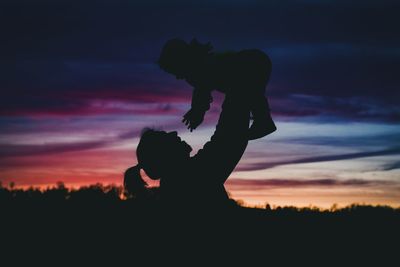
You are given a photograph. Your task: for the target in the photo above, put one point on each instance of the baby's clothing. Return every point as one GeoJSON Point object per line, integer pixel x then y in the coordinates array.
{"type": "Point", "coordinates": [244, 73]}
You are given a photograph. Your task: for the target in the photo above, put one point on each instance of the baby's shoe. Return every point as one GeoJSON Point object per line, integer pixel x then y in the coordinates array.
{"type": "Point", "coordinates": [260, 128]}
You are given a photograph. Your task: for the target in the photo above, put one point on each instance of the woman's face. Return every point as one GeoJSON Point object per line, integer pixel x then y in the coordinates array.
{"type": "Point", "coordinates": [159, 152]}
{"type": "Point", "coordinates": [180, 68]}
{"type": "Point", "coordinates": [176, 145]}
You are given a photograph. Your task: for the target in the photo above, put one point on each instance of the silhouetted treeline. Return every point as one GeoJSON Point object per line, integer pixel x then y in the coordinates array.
{"type": "Point", "coordinates": [105, 196]}
{"type": "Point", "coordinates": [100, 216]}
{"type": "Point", "coordinates": [99, 195]}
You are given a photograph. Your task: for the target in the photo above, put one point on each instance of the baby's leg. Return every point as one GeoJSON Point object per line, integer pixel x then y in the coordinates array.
{"type": "Point", "coordinates": [262, 121]}
{"type": "Point", "coordinates": [252, 85]}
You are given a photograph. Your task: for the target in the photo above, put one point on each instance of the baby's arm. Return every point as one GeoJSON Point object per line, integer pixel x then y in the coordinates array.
{"type": "Point", "coordinates": [201, 100]}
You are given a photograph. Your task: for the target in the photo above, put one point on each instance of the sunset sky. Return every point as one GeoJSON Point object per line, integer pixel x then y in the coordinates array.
{"type": "Point", "coordinates": [79, 82]}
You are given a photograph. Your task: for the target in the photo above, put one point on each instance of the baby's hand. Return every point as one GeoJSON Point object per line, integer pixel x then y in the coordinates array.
{"type": "Point", "coordinates": [193, 118]}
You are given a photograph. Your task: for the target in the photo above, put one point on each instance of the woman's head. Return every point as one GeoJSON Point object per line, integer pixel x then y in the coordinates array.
{"type": "Point", "coordinates": [177, 57]}
{"type": "Point", "coordinates": [159, 151]}
{"type": "Point", "coordinates": [159, 154]}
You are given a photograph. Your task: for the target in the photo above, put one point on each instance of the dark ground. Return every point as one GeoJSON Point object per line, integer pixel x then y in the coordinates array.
{"type": "Point", "coordinates": [96, 223]}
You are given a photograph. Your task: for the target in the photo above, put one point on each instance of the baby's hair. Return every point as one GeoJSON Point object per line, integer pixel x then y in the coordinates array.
{"type": "Point", "coordinates": [177, 51]}
{"type": "Point", "coordinates": [198, 48]}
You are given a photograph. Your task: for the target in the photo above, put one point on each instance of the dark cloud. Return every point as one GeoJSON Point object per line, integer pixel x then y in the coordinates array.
{"type": "Point", "coordinates": [392, 166]}
{"type": "Point", "coordinates": [45, 149]}
{"type": "Point", "coordinates": [343, 53]}
{"type": "Point", "coordinates": [375, 140]}
{"type": "Point", "coordinates": [266, 165]}
{"type": "Point", "coordinates": [23, 150]}
{"type": "Point", "coordinates": [358, 108]}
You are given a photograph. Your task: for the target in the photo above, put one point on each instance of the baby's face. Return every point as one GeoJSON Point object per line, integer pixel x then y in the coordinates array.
{"type": "Point", "coordinates": [176, 68]}
{"type": "Point", "coordinates": [181, 73]}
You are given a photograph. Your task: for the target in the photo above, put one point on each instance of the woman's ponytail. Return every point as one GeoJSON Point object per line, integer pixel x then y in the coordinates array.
{"type": "Point", "coordinates": [134, 185]}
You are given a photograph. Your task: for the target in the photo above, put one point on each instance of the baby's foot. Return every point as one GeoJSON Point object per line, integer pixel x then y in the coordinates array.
{"type": "Point", "coordinates": [261, 128]}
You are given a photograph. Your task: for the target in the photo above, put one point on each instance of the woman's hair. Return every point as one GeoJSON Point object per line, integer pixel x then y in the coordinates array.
{"type": "Point", "coordinates": [151, 154]}
{"type": "Point", "coordinates": [177, 53]}
{"type": "Point", "coordinates": [134, 185]}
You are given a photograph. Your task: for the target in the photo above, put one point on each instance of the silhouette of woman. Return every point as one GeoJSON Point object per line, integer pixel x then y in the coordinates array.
{"type": "Point", "coordinates": [198, 179]}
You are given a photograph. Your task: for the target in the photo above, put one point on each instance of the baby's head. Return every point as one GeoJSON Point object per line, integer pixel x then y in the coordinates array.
{"type": "Point", "coordinates": [178, 57]}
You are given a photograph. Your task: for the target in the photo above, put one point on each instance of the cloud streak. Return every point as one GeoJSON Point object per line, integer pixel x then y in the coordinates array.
{"type": "Point", "coordinates": [94, 103]}
{"type": "Point", "coordinates": [392, 166]}
{"type": "Point", "coordinates": [45, 149]}
{"type": "Point", "coordinates": [325, 107]}
{"type": "Point", "coordinates": [283, 183]}
{"type": "Point", "coordinates": [316, 159]}
{"type": "Point", "coordinates": [21, 150]}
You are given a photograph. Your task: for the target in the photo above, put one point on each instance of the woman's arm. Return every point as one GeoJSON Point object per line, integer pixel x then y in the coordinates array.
{"type": "Point", "coordinates": [216, 161]}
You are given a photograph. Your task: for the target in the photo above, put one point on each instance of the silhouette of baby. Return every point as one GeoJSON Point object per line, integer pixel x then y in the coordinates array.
{"type": "Point", "coordinates": [244, 74]}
